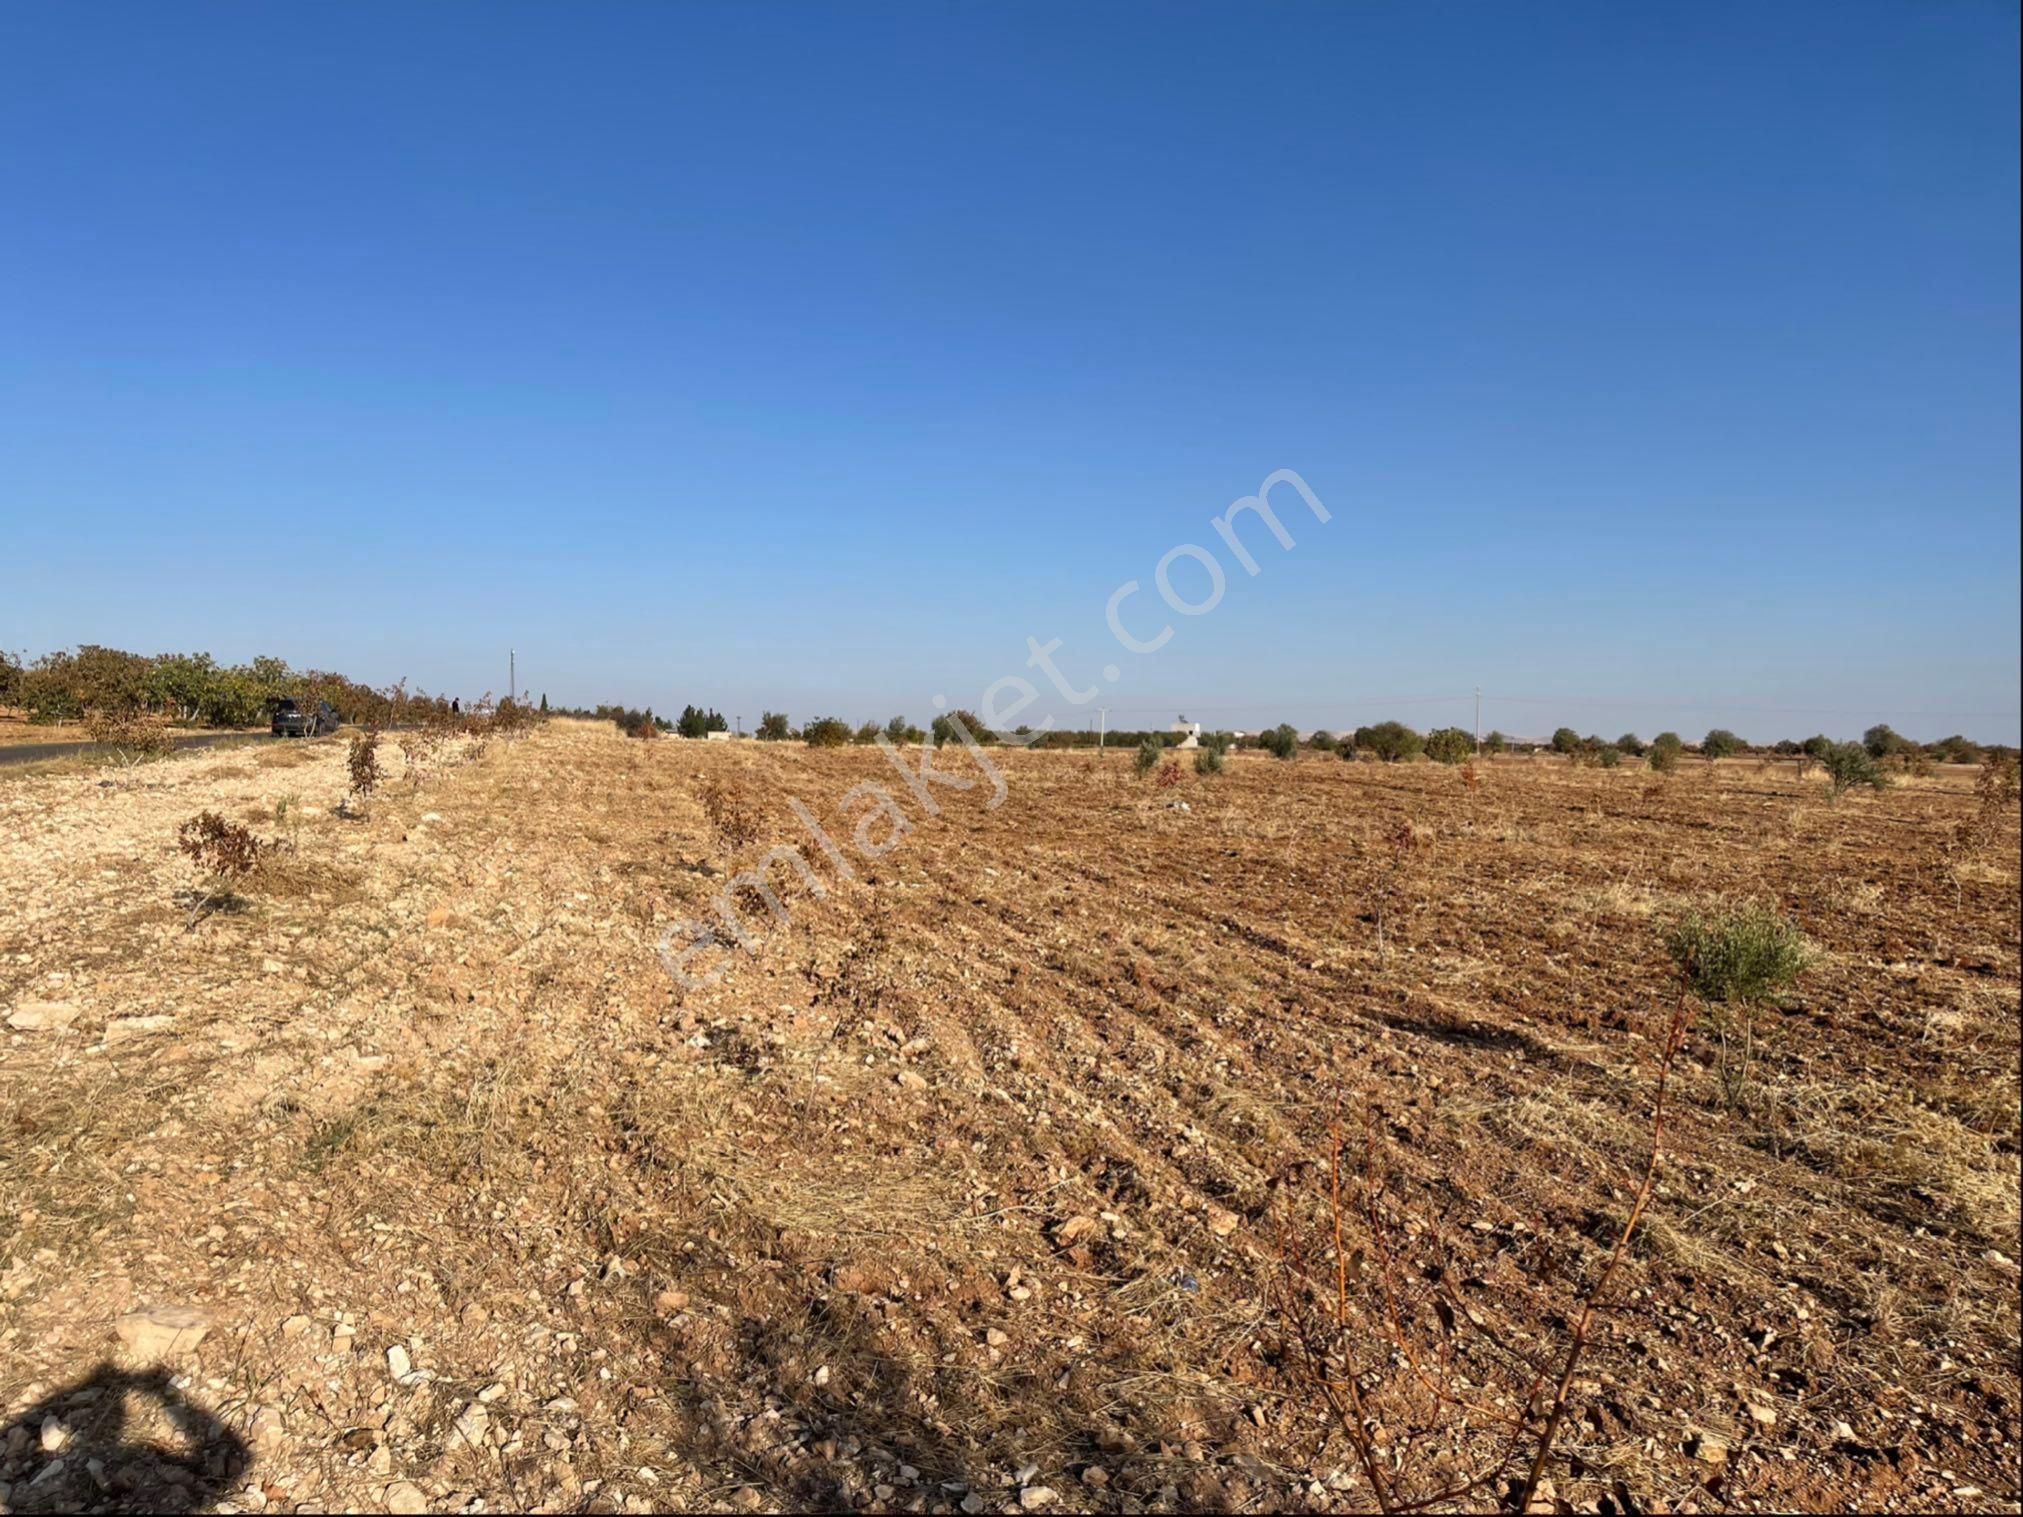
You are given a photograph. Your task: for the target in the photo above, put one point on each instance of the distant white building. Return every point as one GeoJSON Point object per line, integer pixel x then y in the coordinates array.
{"type": "Point", "coordinates": [1190, 733]}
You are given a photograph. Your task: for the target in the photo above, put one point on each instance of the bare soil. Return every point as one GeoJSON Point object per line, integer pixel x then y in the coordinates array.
{"type": "Point", "coordinates": [968, 1190]}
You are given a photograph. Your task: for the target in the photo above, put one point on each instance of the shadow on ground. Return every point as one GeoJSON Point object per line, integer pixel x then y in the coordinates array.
{"type": "Point", "coordinates": [118, 1440]}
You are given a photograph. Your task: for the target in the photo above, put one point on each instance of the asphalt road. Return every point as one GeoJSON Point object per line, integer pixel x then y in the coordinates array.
{"type": "Point", "coordinates": [25, 753]}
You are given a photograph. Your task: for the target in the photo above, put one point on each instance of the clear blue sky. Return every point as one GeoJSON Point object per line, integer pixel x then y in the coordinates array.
{"type": "Point", "coordinates": [1658, 364]}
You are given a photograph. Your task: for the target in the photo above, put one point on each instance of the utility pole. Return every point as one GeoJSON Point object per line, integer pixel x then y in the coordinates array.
{"type": "Point", "coordinates": [741, 726]}
{"type": "Point", "coordinates": [1103, 732]}
{"type": "Point", "coordinates": [1478, 718]}
{"type": "Point", "coordinates": [512, 672]}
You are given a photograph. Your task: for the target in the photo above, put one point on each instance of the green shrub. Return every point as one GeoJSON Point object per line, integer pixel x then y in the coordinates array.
{"type": "Point", "coordinates": [1496, 742]}
{"type": "Point", "coordinates": [1609, 757]}
{"type": "Point", "coordinates": [1565, 740]}
{"type": "Point", "coordinates": [1631, 744]}
{"type": "Point", "coordinates": [1742, 955]}
{"type": "Point", "coordinates": [131, 736]}
{"type": "Point", "coordinates": [774, 727]}
{"type": "Point", "coordinates": [1449, 745]}
{"type": "Point", "coordinates": [1664, 752]}
{"type": "Point", "coordinates": [1720, 743]}
{"type": "Point", "coordinates": [1208, 761]}
{"type": "Point", "coordinates": [1281, 741]}
{"type": "Point", "coordinates": [1323, 742]}
{"type": "Point", "coordinates": [1390, 741]}
{"type": "Point", "coordinates": [826, 732]}
{"type": "Point", "coordinates": [1146, 759]}
{"type": "Point", "coordinates": [1851, 766]}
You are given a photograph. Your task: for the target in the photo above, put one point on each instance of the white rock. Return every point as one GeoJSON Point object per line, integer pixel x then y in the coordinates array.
{"type": "Point", "coordinates": [156, 1332]}
{"type": "Point", "coordinates": [405, 1496]}
{"type": "Point", "coordinates": [41, 1016]}
{"type": "Point", "coordinates": [267, 1427]}
{"type": "Point", "coordinates": [473, 1424]}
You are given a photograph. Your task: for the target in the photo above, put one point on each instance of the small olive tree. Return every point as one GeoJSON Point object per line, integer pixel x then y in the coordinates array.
{"type": "Point", "coordinates": [362, 766]}
{"type": "Point", "coordinates": [1737, 959]}
{"type": "Point", "coordinates": [1851, 766]}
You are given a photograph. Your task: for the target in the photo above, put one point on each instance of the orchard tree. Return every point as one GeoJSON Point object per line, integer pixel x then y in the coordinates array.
{"type": "Point", "coordinates": [1720, 743]}
{"type": "Point", "coordinates": [827, 732]}
{"type": "Point", "coordinates": [945, 729]}
{"type": "Point", "coordinates": [1882, 741]}
{"type": "Point", "coordinates": [1390, 741]}
{"type": "Point", "coordinates": [1449, 745]}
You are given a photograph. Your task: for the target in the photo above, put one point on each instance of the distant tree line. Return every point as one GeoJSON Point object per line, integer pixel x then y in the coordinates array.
{"type": "Point", "coordinates": [192, 689]}
{"type": "Point", "coordinates": [1388, 742]}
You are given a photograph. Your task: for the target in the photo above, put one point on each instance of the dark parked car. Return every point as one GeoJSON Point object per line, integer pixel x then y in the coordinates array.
{"type": "Point", "coordinates": [290, 720]}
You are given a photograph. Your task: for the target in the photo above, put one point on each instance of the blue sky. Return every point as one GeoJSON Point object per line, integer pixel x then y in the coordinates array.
{"type": "Point", "coordinates": [1658, 365]}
